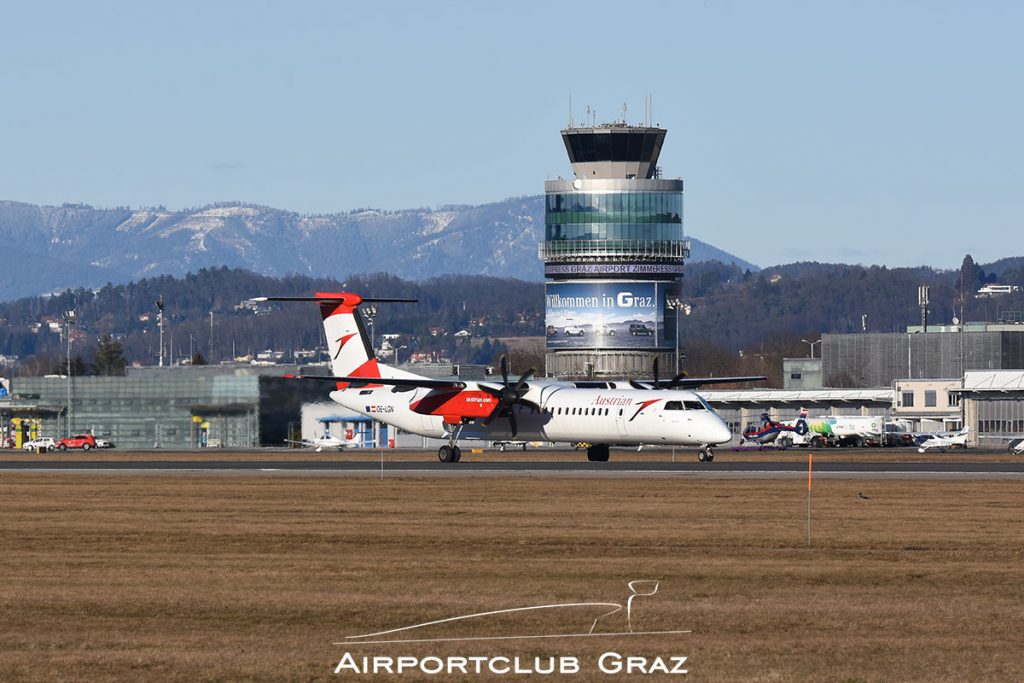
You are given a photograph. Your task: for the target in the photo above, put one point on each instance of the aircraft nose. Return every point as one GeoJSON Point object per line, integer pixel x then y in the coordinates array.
{"type": "Point", "coordinates": [722, 433]}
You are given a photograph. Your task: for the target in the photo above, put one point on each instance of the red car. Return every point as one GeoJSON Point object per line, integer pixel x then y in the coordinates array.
{"type": "Point", "coordinates": [83, 441]}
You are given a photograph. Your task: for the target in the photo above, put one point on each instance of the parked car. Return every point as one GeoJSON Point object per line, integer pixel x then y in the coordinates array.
{"type": "Point", "coordinates": [640, 330]}
{"type": "Point", "coordinates": [83, 441]}
{"type": "Point", "coordinates": [45, 442]}
{"type": "Point", "coordinates": [103, 443]}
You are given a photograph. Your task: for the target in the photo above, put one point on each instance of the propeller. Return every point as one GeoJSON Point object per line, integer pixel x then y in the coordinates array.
{"type": "Point", "coordinates": [657, 382]}
{"type": "Point", "coordinates": [508, 396]}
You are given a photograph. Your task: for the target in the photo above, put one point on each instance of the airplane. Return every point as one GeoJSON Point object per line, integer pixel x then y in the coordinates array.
{"type": "Point", "coordinates": [325, 440]}
{"type": "Point", "coordinates": [648, 413]}
{"type": "Point", "coordinates": [768, 430]}
{"type": "Point", "coordinates": [944, 441]}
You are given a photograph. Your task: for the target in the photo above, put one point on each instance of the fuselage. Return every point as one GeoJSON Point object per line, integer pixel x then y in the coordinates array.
{"type": "Point", "coordinates": [550, 412]}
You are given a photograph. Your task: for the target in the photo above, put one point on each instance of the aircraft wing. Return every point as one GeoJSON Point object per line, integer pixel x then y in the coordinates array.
{"type": "Point", "coordinates": [404, 382]}
{"type": "Point", "coordinates": [694, 382]}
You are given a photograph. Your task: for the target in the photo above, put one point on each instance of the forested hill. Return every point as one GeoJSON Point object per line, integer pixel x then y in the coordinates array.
{"type": "Point", "coordinates": [733, 309]}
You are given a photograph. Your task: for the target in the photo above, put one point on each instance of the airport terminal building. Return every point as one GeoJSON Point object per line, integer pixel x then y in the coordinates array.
{"type": "Point", "coordinates": [613, 256]}
{"type": "Point", "coordinates": [173, 407]}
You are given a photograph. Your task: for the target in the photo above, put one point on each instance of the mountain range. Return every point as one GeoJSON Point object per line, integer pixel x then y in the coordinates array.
{"type": "Point", "coordinates": [50, 248]}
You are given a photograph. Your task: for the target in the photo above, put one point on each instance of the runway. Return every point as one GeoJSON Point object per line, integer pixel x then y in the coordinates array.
{"type": "Point", "coordinates": [536, 468]}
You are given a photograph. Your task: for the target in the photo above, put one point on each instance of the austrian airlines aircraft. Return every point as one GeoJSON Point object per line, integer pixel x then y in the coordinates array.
{"type": "Point", "coordinates": [602, 414]}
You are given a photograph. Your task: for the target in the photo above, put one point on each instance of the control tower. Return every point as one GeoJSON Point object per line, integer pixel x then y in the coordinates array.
{"type": "Point", "coordinates": [613, 256]}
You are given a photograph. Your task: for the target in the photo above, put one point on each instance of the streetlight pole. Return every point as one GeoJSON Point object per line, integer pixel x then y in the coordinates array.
{"type": "Point", "coordinates": [69, 320]}
{"type": "Point", "coordinates": [812, 343]}
{"type": "Point", "coordinates": [396, 349]}
{"type": "Point", "coordinates": [160, 324]}
{"type": "Point", "coordinates": [371, 313]}
{"type": "Point", "coordinates": [676, 304]}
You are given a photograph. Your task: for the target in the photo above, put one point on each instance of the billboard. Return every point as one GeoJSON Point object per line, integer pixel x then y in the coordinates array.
{"type": "Point", "coordinates": [605, 315]}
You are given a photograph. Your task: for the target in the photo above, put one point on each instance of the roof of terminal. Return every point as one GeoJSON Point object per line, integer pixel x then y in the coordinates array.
{"type": "Point", "coordinates": [808, 396]}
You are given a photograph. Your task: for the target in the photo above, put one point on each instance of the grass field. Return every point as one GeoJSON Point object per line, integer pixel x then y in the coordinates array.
{"type": "Point", "coordinates": [254, 578]}
{"type": "Point", "coordinates": [473, 453]}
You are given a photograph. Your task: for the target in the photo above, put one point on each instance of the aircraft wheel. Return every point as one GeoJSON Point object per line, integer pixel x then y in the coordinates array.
{"type": "Point", "coordinates": [702, 456]}
{"type": "Point", "coordinates": [446, 454]}
{"type": "Point", "coordinates": [456, 454]}
{"type": "Point", "coordinates": [597, 453]}
{"type": "Point", "coordinates": [816, 442]}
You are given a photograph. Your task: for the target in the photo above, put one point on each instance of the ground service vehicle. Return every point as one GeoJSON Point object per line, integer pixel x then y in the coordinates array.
{"type": "Point", "coordinates": [83, 441]}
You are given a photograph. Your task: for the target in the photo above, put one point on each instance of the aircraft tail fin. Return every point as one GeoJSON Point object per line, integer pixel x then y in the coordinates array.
{"type": "Point", "coordinates": [347, 342]}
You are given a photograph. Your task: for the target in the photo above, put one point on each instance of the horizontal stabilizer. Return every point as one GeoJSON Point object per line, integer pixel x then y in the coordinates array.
{"type": "Point", "coordinates": [330, 299]}
{"type": "Point", "coordinates": [405, 382]}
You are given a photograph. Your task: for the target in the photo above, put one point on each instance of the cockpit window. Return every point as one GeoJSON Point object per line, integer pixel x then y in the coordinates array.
{"type": "Point", "coordinates": [694, 405]}
{"type": "Point", "coordinates": [674, 405]}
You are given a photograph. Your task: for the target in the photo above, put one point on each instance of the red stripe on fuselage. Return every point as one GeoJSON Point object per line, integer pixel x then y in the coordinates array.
{"type": "Point", "coordinates": [464, 403]}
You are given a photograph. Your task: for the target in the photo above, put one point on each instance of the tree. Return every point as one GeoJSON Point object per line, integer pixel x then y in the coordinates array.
{"type": "Point", "coordinates": [972, 277]}
{"type": "Point", "coordinates": [109, 357]}
{"type": "Point", "coordinates": [78, 367]}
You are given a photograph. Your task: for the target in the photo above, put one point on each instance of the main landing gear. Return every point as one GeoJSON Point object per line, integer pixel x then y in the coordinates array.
{"type": "Point", "coordinates": [451, 452]}
{"type": "Point", "coordinates": [597, 453]}
{"type": "Point", "coordinates": [705, 454]}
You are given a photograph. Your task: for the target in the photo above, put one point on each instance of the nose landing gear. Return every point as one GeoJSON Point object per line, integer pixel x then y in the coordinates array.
{"type": "Point", "coordinates": [705, 454]}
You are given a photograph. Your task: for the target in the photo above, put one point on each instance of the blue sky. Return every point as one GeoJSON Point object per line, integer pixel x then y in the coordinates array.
{"type": "Point", "coordinates": [858, 132]}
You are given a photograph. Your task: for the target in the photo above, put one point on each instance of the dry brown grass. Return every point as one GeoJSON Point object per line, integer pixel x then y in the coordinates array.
{"type": "Point", "coordinates": [475, 453]}
{"type": "Point", "coordinates": [254, 578]}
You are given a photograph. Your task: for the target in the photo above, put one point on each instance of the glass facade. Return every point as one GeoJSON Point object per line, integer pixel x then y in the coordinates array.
{"type": "Point", "coordinates": [172, 407]}
{"type": "Point", "coordinates": [613, 145]}
{"type": "Point", "coordinates": [650, 216]}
